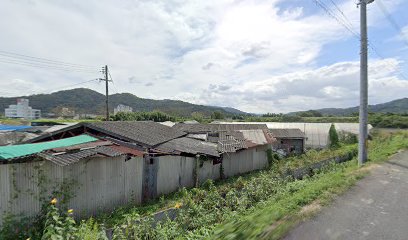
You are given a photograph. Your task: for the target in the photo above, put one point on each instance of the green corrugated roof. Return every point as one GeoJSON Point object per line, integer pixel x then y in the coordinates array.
{"type": "Point", "coordinates": [14, 151]}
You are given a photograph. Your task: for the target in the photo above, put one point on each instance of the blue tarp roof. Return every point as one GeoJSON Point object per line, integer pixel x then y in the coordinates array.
{"type": "Point", "coordinates": [12, 127]}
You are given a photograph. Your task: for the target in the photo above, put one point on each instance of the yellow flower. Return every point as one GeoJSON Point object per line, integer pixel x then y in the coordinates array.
{"type": "Point", "coordinates": [178, 205]}
{"type": "Point", "coordinates": [54, 201]}
{"type": "Point", "coordinates": [28, 239]}
{"type": "Point", "coordinates": [70, 211]}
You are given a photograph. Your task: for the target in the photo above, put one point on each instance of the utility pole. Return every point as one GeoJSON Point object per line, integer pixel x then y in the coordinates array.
{"type": "Point", "coordinates": [363, 114]}
{"type": "Point", "coordinates": [106, 79]}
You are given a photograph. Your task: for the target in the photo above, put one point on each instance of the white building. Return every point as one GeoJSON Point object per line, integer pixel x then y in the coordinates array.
{"type": "Point", "coordinates": [22, 110]}
{"type": "Point", "coordinates": [122, 108]}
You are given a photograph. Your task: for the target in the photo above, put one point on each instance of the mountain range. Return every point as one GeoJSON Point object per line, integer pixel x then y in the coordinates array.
{"type": "Point", "coordinates": [395, 106]}
{"type": "Point", "coordinates": [84, 100]}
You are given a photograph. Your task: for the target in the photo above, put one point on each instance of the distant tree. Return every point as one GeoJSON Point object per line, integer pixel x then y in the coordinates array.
{"type": "Point", "coordinates": [238, 117]}
{"type": "Point", "coordinates": [290, 118]}
{"type": "Point", "coordinates": [199, 117]}
{"type": "Point", "coordinates": [272, 115]}
{"type": "Point", "coordinates": [310, 113]}
{"type": "Point", "coordinates": [155, 116]}
{"type": "Point", "coordinates": [217, 115]}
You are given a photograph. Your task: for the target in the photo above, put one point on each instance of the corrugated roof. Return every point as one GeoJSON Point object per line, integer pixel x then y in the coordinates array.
{"type": "Point", "coordinates": [58, 127]}
{"type": "Point", "coordinates": [200, 128]}
{"type": "Point", "coordinates": [189, 145]}
{"type": "Point", "coordinates": [287, 133]}
{"type": "Point", "coordinates": [257, 137]}
{"type": "Point", "coordinates": [82, 146]}
{"type": "Point", "coordinates": [64, 159]}
{"type": "Point", "coordinates": [127, 150]}
{"type": "Point", "coordinates": [15, 151]}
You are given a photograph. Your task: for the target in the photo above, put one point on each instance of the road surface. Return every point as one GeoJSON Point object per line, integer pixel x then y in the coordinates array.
{"type": "Point", "coordinates": [376, 208]}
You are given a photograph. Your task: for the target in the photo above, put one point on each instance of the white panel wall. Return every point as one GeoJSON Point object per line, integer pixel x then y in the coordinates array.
{"type": "Point", "coordinates": [173, 173]}
{"type": "Point", "coordinates": [244, 161]}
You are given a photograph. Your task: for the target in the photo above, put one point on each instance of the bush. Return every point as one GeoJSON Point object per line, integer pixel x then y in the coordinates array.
{"type": "Point", "coordinates": [155, 116]}
{"type": "Point", "coordinates": [333, 137]}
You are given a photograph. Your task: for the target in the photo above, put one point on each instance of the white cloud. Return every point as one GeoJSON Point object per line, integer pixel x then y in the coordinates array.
{"type": "Point", "coordinates": [336, 85]}
{"type": "Point", "coordinates": [186, 49]}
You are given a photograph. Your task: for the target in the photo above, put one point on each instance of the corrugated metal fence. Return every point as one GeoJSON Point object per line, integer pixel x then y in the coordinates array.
{"type": "Point", "coordinates": [98, 184]}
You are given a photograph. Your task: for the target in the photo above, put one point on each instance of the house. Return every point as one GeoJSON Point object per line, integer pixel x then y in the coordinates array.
{"type": "Point", "coordinates": [291, 141]}
{"type": "Point", "coordinates": [122, 108]}
{"type": "Point", "coordinates": [22, 110]}
{"type": "Point", "coordinates": [242, 147]}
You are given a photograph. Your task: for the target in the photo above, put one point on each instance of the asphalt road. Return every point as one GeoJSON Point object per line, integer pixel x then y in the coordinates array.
{"type": "Point", "coordinates": [376, 208]}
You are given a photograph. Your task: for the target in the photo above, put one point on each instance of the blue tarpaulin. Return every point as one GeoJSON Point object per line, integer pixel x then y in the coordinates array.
{"type": "Point", "coordinates": [12, 127]}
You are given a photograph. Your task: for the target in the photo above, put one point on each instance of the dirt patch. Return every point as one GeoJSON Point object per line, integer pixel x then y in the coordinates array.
{"type": "Point", "coordinates": [311, 208]}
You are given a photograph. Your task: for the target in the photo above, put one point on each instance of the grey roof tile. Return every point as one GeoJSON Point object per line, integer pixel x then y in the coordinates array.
{"type": "Point", "coordinates": [189, 145]}
{"type": "Point", "coordinates": [286, 133]}
{"type": "Point", "coordinates": [145, 132]}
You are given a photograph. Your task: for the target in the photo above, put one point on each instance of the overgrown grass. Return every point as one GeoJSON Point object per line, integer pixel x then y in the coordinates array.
{"type": "Point", "coordinates": [313, 156]}
{"type": "Point", "coordinates": [274, 218]}
{"type": "Point", "coordinates": [259, 224]}
{"type": "Point", "coordinates": [256, 205]}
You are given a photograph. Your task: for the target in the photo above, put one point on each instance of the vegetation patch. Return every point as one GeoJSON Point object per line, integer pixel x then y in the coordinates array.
{"type": "Point", "coordinates": [261, 204]}
{"type": "Point", "coordinates": [287, 211]}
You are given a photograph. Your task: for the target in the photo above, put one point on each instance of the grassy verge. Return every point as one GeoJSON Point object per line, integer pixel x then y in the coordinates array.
{"type": "Point", "coordinates": [274, 218]}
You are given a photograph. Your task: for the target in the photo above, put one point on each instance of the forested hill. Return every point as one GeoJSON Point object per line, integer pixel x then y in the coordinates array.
{"type": "Point", "coordinates": [84, 100]}
{"type": "Point", "coordinates": [395, 106]}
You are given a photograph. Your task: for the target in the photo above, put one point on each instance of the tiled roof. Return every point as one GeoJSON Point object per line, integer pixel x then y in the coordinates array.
{"type": "Point", "coordinates": [200, 128]}
{"type": "Point", "coordinates": [189, 145]}
{"type": "Point", "coordinates": [287, 133]}
{"type": "Point", "coordinates": [146, 133]}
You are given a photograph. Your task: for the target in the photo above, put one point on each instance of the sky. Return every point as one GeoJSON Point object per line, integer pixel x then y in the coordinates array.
{"type": "Point", "coordinates": [254, 55]}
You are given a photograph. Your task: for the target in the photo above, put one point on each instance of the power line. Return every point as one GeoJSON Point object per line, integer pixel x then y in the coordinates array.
{"type": "Point", "coordinates": [335, 17]}
{"type": "Point", "coordinates": [350, 28]}
{"type": "Point", "coordinates": [113, 83]}
{"type": "Point", "coordinates": [45, 66]}
{"type": "Point", "coordinates": [392, 21]}
{"type": "Point", "coordinates": [342, 13]}
{"type": "Point", "coordinates": [43, 60]}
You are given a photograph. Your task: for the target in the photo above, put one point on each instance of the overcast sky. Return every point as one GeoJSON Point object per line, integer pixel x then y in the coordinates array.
{"type": "Point", "coordinates": [257, 56]}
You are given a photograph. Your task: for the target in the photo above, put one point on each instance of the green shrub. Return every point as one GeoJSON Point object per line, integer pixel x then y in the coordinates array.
{"type": "Point", "coordinates": [333, 137]}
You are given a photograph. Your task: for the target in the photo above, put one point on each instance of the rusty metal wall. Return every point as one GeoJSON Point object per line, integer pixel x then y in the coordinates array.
{"type": "Point", "coordinates": [98, 184]}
